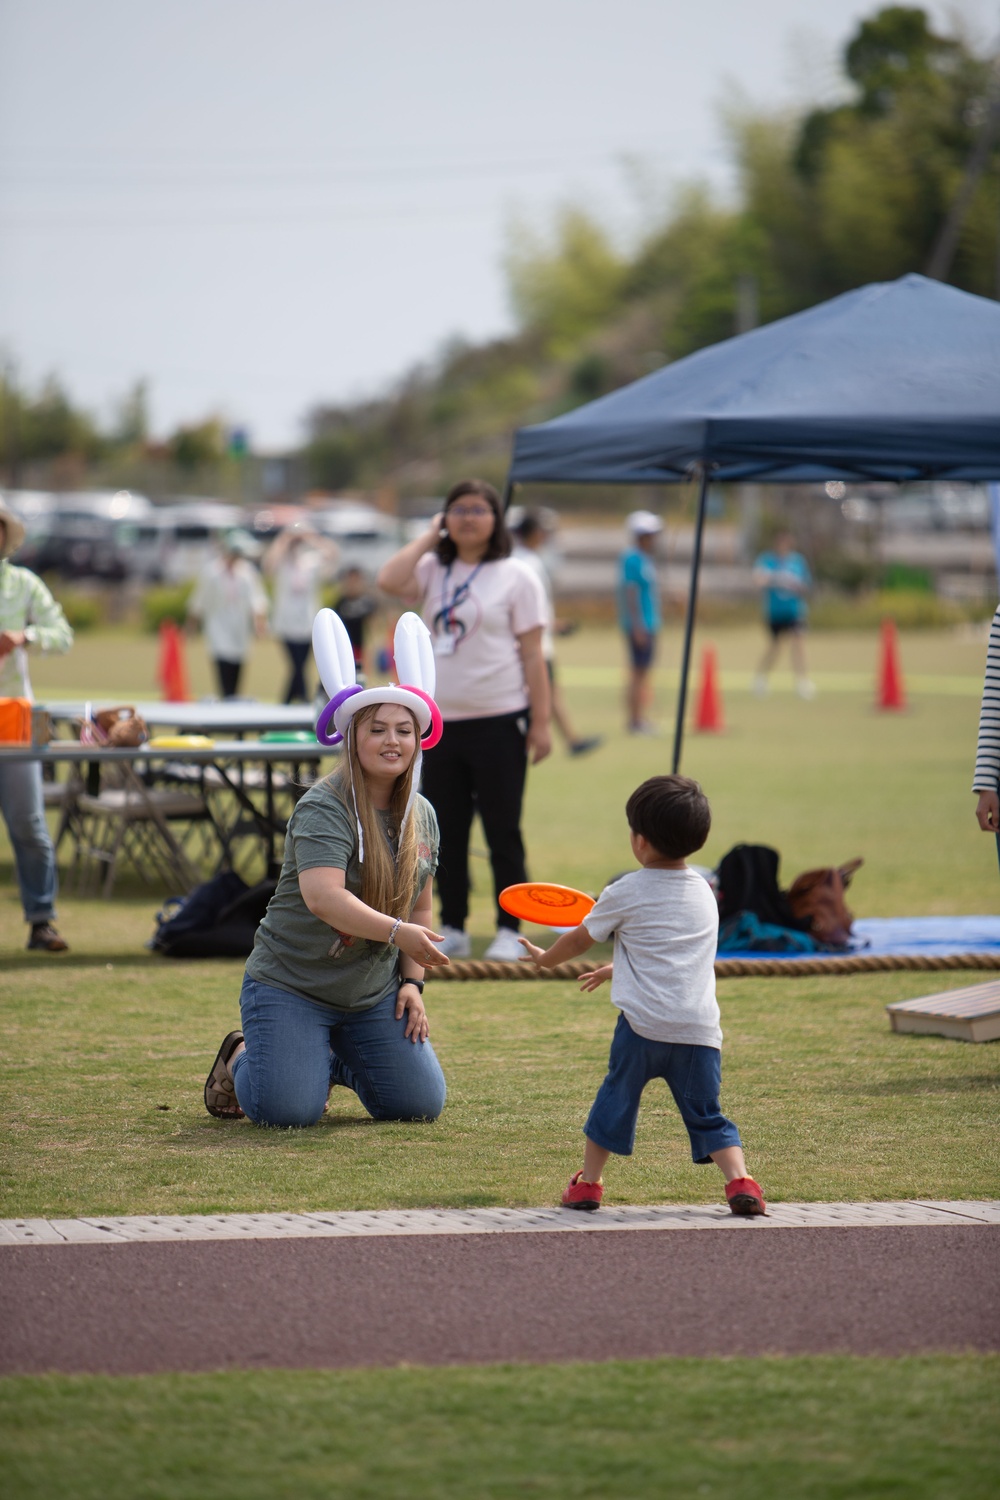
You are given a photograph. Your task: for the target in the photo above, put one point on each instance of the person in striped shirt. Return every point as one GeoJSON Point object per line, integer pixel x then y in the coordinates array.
{"type": "Point", "coordinates": [987, 776]}
{"type": "Point", "coordinates": [30, 619]}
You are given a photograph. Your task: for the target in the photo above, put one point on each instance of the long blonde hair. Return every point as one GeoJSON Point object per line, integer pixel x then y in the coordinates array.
{"type": "Point", "coordinates": [387, 884]}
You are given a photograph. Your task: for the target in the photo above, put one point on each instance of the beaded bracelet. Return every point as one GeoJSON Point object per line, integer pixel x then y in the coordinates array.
{"type": "Point", "coordinates": [394, 929]}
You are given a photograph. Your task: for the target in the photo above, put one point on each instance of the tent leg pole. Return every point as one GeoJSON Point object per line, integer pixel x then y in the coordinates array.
{"type": "Point", "coordinates": [689, 620]}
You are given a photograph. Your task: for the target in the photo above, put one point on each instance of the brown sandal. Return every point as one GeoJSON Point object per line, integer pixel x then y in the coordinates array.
{"type": "Point", "coordinates": [220, 1095]}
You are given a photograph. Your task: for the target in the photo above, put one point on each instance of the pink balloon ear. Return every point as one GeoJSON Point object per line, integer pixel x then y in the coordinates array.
{"type": "Point", "coordinates": [430, 739]}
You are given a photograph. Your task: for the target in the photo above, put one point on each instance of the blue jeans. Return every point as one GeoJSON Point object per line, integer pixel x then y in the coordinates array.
{"type": "Point", "coordinates": [296, 1048]}
{"type": "Point", "coordinates": [23, 809]}
{"type": "Point", "coordinates": [692, 1074]}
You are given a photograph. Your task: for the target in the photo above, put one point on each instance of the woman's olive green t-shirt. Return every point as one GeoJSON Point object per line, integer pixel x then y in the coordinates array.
{"type": "Point", "coordinates": [294, 950]}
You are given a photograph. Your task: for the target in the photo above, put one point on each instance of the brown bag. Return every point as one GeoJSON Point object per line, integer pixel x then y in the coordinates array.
{"type": "Point", "coordinates": [817, 898]}
{"type": "Point", "coordinates": [115, 726]}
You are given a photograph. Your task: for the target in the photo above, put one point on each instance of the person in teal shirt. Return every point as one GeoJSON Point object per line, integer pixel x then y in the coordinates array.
{"type": "Point", "coordinates": [783, 577]}
{"type": "Point", "coordinates": [639, 615]}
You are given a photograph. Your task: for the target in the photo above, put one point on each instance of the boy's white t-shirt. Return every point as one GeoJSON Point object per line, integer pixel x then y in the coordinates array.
{"type": "Point", "coordinates": [666, 927]}
{"type": "Point", "coordinates": [480, 673]}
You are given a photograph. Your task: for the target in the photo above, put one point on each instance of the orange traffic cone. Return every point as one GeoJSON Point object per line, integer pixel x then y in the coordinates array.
{"type": "Point", "coordinates": [171, 673]}
{"type": "Point", "coordinates": [708, 713]}
{"type": "Point", "coordinates": [890, 682]}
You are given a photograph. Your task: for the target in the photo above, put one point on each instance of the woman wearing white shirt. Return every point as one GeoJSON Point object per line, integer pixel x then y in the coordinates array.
{"type": "Point", "coordinates": [486, 613]}
{"type": "Point", "coordinates": [297, 562]}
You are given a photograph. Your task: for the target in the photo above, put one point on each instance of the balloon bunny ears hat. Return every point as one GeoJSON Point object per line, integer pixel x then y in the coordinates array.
{"type": "Point", "coordinates": [414, 668]}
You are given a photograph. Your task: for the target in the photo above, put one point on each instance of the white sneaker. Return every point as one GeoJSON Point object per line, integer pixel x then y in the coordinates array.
{"type": "Point", "coordinates": [760, 686]}
{"type": "Point", "coordinates": [505, 947]}
{"type": "Point", "coordinates": [805, 688]}
{"type": "Point", "coordinates": [455, 942]}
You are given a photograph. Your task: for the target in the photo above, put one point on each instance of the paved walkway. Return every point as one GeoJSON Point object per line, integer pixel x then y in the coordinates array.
{"type": "Point", "coordinates": [139, 1295]}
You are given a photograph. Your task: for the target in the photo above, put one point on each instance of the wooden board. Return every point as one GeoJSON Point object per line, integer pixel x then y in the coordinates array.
{"type": "Point", "coordinates": [970, 1015]}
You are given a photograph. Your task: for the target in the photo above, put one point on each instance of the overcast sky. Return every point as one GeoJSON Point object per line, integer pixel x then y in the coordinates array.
{"type": "Point", "coordinates": [259, 205]}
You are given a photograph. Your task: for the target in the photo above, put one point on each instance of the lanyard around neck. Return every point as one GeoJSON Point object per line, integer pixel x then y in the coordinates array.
{"type": "Point", "coordinates": [459, 596]}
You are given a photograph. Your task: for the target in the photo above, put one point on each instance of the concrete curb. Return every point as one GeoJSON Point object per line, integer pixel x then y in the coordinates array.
{"type": "Point", "coordinates": [480, 1221]}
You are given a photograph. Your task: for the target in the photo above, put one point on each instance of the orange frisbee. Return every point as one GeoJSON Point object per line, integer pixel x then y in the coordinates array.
{"type": "Point", "coordinates": [548, 905]}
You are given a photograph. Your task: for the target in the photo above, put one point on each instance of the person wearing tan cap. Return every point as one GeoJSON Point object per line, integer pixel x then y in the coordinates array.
{"type": "Point", "coordinates": [30, 619]}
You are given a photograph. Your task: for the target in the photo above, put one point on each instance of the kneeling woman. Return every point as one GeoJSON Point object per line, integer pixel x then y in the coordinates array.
{"type": "Point", "coordinates": [333, 988]}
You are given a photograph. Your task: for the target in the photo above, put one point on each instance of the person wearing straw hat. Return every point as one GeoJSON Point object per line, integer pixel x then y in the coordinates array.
{"type": "Point", "coordinates": [30, 620]}
{"type": "Point", "coordinates": [333, 990]}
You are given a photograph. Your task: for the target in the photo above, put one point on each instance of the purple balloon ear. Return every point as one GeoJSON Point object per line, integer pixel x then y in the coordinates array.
{"type": "Point", "coordinates": [326, 717]}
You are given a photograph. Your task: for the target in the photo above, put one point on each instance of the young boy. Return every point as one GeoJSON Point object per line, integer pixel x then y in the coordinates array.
{"type": "Point", "coordinates": [665, 921]}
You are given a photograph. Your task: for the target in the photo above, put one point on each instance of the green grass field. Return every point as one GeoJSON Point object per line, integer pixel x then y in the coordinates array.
{"type": "Point", "coordinates": [105, 1051]}
{"type": "Point", "coordinates": [819, 1429]}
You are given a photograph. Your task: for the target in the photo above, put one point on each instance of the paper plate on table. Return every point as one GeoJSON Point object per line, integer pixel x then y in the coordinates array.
{"type": "Point", "coordinates": [180, 742]}
{"type": "Point", "coordinates": [547, 905]}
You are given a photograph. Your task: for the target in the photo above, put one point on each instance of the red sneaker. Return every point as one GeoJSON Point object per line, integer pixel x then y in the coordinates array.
{"type": "Point", "coordinates": [745, 1197]}
{"type": "Point", "coordinates": [580, 1194]}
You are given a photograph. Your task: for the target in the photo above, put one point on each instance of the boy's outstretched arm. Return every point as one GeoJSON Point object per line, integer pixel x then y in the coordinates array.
{"type": "Point", "coordinates": [568, 945]}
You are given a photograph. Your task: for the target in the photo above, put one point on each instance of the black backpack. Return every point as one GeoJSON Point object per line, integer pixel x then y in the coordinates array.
{"type": "Point", "coordinates": [747, 880]}
{"type": "Point", "coordinates": [217, 920]}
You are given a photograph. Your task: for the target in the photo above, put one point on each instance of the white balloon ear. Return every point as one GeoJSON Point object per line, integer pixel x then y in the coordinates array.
{"type": "Point", "coordinates": [333, 652]}
{"type": "Point", "coordinates": [414, 654]}
{"type": "Point", "coordinates": [428, 665]}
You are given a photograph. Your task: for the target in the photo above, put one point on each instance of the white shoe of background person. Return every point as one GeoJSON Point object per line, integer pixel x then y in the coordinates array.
{"type": "Point", "coordinates": [455, 942]}
{"type": "Point", "coordinates": [805, 688]}
{"type": "Point", "coordinates": [505, 947]}
{"type": "Point", "coordinates": [760, 686]}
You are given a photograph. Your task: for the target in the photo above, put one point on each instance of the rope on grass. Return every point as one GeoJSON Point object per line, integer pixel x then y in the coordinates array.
{"type": "Point", "coordinates": [741, 968]}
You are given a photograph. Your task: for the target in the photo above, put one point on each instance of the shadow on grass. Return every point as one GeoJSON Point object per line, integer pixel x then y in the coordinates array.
{"type": "Point", "coordinates": [959, 1083]}
{"type": "Point", "coordinates": [211, 1135]}
{"type": "Point", "coordinates": [72, 960]}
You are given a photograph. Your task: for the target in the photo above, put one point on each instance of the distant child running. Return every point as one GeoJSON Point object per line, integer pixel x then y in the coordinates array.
{"type": "Point", "coordinates": [665, 923]}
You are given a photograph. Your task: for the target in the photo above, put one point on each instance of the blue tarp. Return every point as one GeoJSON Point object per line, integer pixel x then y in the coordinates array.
{"type": "Point", "coordinates": [899, 380]}
{"type": "Point", "coordinates": [927, 937]}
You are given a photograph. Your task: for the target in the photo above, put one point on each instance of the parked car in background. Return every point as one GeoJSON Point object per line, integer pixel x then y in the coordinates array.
{"type": "Point", "coordinates": [367, 537]}
{"type": "Point", "coordinates": [75, 544]}
{"type": "Point", "coordinates": [76, 533]}
{"type": "Point", "coordinates": [173, 542]}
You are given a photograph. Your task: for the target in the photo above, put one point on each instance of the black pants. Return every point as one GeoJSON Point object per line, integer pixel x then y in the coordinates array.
{"type": "Point", "coordinates": [479, 767]}
{"type": "Point", "coordinates": [228, 673]}
{"type": "Point", "coordinates": [298, 652]}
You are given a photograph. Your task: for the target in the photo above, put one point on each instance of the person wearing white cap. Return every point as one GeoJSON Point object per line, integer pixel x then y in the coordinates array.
{"type": "Point", "coordinates": [30, 619]}
{"type": "Point", "coordinates": [333, 990]}
{"type": "Point", "coordinates": [229, 601]}
{"type": "Point", "coordinates": [639, 614]}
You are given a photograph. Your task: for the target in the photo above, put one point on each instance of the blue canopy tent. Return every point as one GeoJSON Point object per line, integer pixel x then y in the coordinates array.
{"type": "Point", "coordinates": [895, 381]}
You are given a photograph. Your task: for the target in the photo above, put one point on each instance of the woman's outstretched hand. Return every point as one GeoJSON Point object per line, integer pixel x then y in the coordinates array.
{"type": "Point", "coordinates": [411, 1001]}
{"type": "Point", "coordinates": [418, 943]}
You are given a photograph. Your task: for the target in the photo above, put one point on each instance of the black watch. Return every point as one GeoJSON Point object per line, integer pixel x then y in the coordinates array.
{"type": "Point", "coordinates": [417, 984]}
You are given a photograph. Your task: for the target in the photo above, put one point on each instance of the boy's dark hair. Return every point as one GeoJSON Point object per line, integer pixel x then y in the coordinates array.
{"type": "Point", "coordinates": [672, 813]}
{"type": "Point", "coordinates": [499, 544]}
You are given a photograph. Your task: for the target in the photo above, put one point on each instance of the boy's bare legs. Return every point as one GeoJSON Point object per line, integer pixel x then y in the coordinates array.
{"type": "Point", "coordinates": [730, 1161]}
{"type": "Point", "coordinates": [595, 1159]}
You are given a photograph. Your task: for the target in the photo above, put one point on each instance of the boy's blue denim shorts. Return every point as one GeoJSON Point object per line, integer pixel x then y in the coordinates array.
{"type": "Point", "coordinates": [692, 1074]}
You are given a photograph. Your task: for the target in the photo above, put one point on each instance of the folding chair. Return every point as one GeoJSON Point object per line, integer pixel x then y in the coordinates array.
{"type": "Point", "coordinates": [131, 821]}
